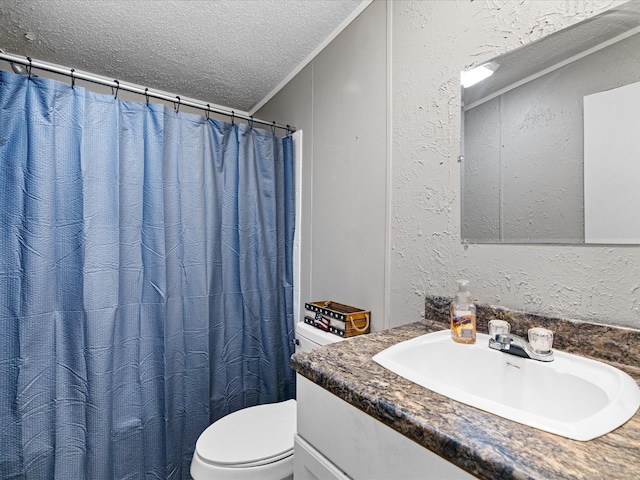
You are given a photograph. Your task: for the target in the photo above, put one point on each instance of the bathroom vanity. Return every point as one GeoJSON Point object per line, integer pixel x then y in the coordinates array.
{"type": "Point", "coordinates": [366, 422]}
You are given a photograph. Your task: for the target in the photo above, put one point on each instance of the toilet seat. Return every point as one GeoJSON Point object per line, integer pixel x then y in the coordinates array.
{"type": "Point", "coordinates": [250, 437]}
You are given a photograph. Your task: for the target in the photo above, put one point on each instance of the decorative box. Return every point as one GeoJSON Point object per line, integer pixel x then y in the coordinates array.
{"type": "Point", "coordinates": [337, 318]}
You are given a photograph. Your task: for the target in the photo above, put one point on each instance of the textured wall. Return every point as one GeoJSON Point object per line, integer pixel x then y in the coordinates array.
{"type": "Point", "coordinates": [432, 42]}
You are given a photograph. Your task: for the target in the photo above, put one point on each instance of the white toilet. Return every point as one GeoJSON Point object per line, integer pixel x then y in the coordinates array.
{"type": "Point", "coordinates": [255, 443]}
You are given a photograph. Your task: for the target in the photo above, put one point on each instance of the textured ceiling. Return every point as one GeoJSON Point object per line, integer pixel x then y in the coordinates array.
{"type": "Point", "coordinates": [227, 52]}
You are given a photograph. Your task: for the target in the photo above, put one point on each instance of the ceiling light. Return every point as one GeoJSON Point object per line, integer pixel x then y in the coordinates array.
{"type": "Point", "coordinates": [477, 74]}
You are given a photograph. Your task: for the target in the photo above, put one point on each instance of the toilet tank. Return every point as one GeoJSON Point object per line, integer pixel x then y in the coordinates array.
{"type": "Point", "coordinates": [309, 337]}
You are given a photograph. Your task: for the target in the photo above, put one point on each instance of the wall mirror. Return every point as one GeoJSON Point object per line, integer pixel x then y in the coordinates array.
{"type": "Point", "coordinates": [551, 139]}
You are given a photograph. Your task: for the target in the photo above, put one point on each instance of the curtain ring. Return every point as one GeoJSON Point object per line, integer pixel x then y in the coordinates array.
{"type": "Point", "coordinates": [233, 117]}
{"type": "Point", "coordinates": [73, 79]}
{"type": "Point", "coordinates": [273, 127]}
{"type": "Point", "coordinates": [178, 104]}
{"type": "Point", "coordinates": [146, 94]}
{"type": "Point", "coordinates": [250, 122]}
{"type": "Point", "coordinates": [30, 66]}
{"type": "Point", "coordinates": [289, 131]}
{"type": "Point", "coordinates": [208, 110]}
{"type": "Point", "coordinates": [117, 88]}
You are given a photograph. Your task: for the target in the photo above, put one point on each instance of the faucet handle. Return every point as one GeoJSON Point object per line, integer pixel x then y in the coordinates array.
{"type": "Point", "coordinates": [540, 339]}
{"type": "Point", "coordinates": [498, 327]}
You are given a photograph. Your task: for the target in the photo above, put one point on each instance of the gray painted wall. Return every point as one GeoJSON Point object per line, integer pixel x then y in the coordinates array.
{"type": "Point", "coordinates": [430, 42]}
{"type": "Point", "coordinates": [339, 101]}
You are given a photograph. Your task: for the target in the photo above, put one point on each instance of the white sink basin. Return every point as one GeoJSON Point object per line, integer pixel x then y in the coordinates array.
{"type": "Point", "coordinates": [572, 396]}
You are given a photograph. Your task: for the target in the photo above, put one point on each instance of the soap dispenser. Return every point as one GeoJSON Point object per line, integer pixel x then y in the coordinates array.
{"type": "Point", "coordinates": [463, 315]}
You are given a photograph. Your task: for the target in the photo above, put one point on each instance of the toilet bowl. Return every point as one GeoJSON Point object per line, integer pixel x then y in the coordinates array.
{"type": "Point", "coordinates": [255, 443]}
{"type": "Point", "coordinates": [252, 443]}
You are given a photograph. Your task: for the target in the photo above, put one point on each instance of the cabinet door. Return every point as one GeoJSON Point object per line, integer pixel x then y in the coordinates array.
{"type": "Point", "coordinates": [361, 446]}
{"type": "Point", "coordinates": [309, 464]}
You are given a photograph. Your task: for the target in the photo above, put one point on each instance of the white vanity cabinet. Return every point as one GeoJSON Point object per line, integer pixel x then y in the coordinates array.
{"type": "Point", "coordinates": [337, 441]}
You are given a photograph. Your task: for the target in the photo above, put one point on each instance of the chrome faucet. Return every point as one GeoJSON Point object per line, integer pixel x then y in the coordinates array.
{"type": "Point", "coordinates": [537, 348]}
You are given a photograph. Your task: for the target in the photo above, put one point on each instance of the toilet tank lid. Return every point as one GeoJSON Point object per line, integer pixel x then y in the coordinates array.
{"type": "Point", "coordinates": [316, 335]}
{"type": "Point", "coordinates": [250, 435]}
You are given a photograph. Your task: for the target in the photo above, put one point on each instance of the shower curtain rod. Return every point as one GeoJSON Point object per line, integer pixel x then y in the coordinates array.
{"type": "Point", "coordinates": [29, 63]}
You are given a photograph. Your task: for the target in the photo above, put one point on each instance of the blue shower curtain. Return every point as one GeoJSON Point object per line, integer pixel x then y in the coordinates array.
{"type": "Point", "coordinates": [145, 280]}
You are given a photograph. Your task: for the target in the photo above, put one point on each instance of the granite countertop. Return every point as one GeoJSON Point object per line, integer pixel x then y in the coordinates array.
{"type": "Point", "coordinates": [483, 444]}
